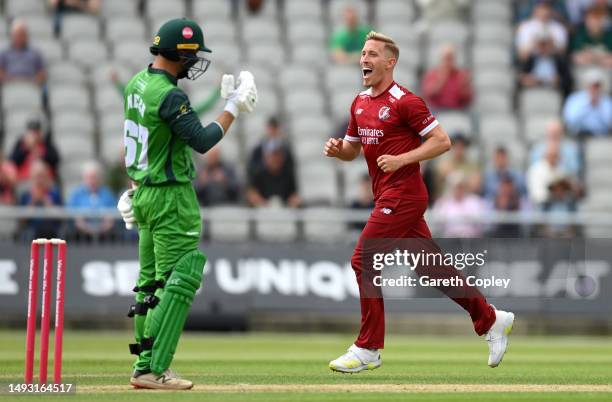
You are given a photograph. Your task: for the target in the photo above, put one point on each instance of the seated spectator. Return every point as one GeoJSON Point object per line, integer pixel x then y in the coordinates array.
{"type": "Point", "coordinates": [8, 179]}
{"type": "Point", "coordinates": [254, 7]}
{"type": "Point", "coordinates": [568, 150]}
{"type": "Point", "coordinates": [592, 42]}
{"type": "Point", "coordinates": [216, 182]}
{"type": "Point", "coordinates": [435, 10]}
{"type": "Point", "coordinates": [541, 19]}
{"type": "Point", "coordinates": [365, 199]}
{"type": "Point", "coordinates": [457, 160]}
{"type": "Point", "coordinates": [31, 146]}
{"type": "Point", "coordinates": [589, 111]}
{"type": "Point", "coordinates": [446, 86]}
{"type": "Point", "coordinates": [42, 193]}
{"type": "Point", "coordinates": [92, 195]}
{"type": "Point", "coordinates": [21, 62]}
{"type": "Point", "coordinates": [577, 10]}
{"type": "Point", "coordinates": [62, 7]}
{"type": "Point", "coordinates": [506, 199]}
{"type": "Point", "coordinates": [500, 171]}
{"type": "Point", "coordinates": [273, 182]}
{"type": "Point", "coordinates": [347, 41]}
{"type": "Point", "coordinates": [541, 173]}
{"type": "Point", "coordinates": [457, 207]}
{"type": "Point", "coordinates": [545, 67]}
{"type": "Point", "coordinates": [560, 13]}
{"type": "Point", "coordinates": [561, 202]}
{"type": "Point", "coordinates": [273, 132]}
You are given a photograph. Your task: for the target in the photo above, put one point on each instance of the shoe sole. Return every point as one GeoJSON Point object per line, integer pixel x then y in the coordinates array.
{"type": "Point", "coordinates": [139, 385]}
{"type": "Point", "coordinates": [507, 331]}
{"type": "Point", "coordinates": [369, 366]}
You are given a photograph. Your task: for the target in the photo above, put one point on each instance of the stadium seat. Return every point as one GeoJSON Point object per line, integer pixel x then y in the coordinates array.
{"type": "Point", "coordinates": [307, 149]}
{"type": "Point", "coordinates": [535, 126]}
{"type": "Point", "coordinates": [597, 152]}
{"type": "Point", "coordinates": [231, 152]}
{"type": "Point", "coordinates": [216, 30]}
{"type": "Point", "coordinates": [258, 30]}
{"type": "Point", "coordinates": [394, 10]}
{"type": "Point", "coordinates": [267, 101]}
{"type": "Point", "coordinates": [406, 77]}
{"type": "Point", "coordinates": [298, 10]}
{"type": "Point", "coordinates": [455, 122]}
{"type": "Point", "coordinates": [212, 9]}
{"type": "Point", "coordinates": [294, 76]}
{"type": "Point", "coordinates": [88, 53]}
{"type": "Point", "coordinates": [495, 128]}
{"type": "Point", "coordinates": [111, 136]}
{"type": "Point", "coordinates": [52, 50]}
{"type": "Point", "coordinates": [310, 54]}
{"type": "Point", "coordinates": [336, 9]}
{"type": "Point", "coordinates": [67, 122]}
{"type": "Point", "coordinates": [352, 174]}
{"type": "Point", "coordinates": [122, 28]}
{"type": "Point", "coordinates": [267, 54]}
{"type": "Point", "coordinates": [449, 31]}
{"type": "Point", "coordinates": [100, 75]}
{"type": "Point", "coordinates": [133, 53]}
{"type": "Point", "coordinates": [306, 31]}
{"type": "Point", "coordinates": [108, 99]}
{"type": "Point", "coordinates": [156, 9]}
{"type": "Point", "coordinates": [491, 56]}
{"type": "Point", "coordinates": [340, 78]}
{"type": "Point", "coordinates": [488, 80]}
{"type": "Point", "coordinates": [253, 128]}
{"type": "Point", "coordinates": [341, 102]}
{"type": "Point", "coordinates": [538, 101]}
{"type": "Point", "coordinates": [274, 224]}
{"type": "Point", "coordinates": [70, 98]}
{"type": "Point", "coordinates": [118, 8]}
{"type": "Point", "coordinates": [267, 11]}
{"type": "Point", "coordinates": [433, 55]}
{"type": "Point", "coordinates": [319, 127]}
{"type": "Point", "coordinates": [19, 8]}
{"type": "Point", "coordinates": [74, 145]}
{"type": "Point", "coordinates": [404, 35]}
{"type": "Point", "coordinates": [320, 225]}
{"type": "Point", "coordinates": [66, 73]}
{"type": "Point", "coordinates": [15, 124]}
{"type": "Point", "coordinates": [493, 103]}
{"type": "Point", "coordinates": [497, 11]}
{"type": "Point", "coordinates": [226, 55]}
{"type": "Point", "coordinates": [304, 101]}
{"type": "Point", "coordinates": [487, 32]}
{"type": "Point", "coordinates": [19, 95]}
{"type": "Point", "coordinates": [80, 27]}
{"type": "Point", "coordinates": [228, 223]}
{"type": "Point", "coordinates": [318, 184]}
{"type": "Point", "coordinates": [40, 27]}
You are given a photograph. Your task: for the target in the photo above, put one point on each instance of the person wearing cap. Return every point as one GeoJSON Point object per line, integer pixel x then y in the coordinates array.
{"type": "Point", "coordinates": [589, 111]}
{"type": "Point", "coordinates": [161, 130]}
{"type": "Point", "coordinates": [34, 145]}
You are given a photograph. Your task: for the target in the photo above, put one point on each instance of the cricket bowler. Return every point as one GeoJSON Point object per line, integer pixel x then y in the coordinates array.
{"type": "Point", "coordinates": [160, 131]}
{"type": "Point", "coordinates": [396, 131]}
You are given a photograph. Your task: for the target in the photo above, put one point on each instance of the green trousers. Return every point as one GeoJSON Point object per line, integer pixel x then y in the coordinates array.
{"type": "Point", "coordinates": [169, 226]}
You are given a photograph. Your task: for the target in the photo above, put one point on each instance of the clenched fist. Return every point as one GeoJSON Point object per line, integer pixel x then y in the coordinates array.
{"type": "Point", "coordinates": [333, 147]}
{"type": "Point", "coordinates": [389, 163]}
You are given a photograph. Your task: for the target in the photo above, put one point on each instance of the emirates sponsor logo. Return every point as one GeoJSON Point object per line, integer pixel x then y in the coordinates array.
{"type": "Point", "coordinates": [370, 136]}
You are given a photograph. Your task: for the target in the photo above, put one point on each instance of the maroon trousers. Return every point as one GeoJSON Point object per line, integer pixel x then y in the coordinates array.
{"type": "Point", "coordinates": [403, 219]}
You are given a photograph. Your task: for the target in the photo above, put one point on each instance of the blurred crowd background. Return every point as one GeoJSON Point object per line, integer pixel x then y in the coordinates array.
{"type": "Point", "coordinates": [522, 87]}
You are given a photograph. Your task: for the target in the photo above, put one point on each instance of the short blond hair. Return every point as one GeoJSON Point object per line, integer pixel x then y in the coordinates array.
{"type": "Point", "coordinates": [390, 44]}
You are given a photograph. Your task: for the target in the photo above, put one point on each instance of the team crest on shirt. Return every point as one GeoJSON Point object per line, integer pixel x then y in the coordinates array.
{"type": "Point", "coordinates": [384, 113]}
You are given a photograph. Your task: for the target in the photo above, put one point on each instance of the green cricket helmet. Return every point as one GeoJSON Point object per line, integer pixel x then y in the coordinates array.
{"type": "Point", "coordinates": [181, 39]}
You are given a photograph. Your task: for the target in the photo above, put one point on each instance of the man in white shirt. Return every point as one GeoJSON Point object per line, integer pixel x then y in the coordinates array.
{"type": "Point", "coordinates": [541, 20]}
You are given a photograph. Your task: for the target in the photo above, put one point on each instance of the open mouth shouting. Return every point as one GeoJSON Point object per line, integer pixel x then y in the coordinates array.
{"type": "Point", "coordinates": [366, 71]}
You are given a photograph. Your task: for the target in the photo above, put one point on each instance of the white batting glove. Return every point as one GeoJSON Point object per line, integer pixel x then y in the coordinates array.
{"type": "Point", "coordinates": [243, 97]}
{"type": "Point", "coordinates": [125, 209]}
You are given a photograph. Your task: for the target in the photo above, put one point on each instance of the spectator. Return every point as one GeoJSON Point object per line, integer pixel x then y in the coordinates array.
{"type": "Point", "coordinates": [365, 199]}
{"type": "Point", "coordinates": [41, 194]}
{"type": "Point", "coordinates": [21, 62]}
{"type": "Point", "coordinates": [578, 8]}
{"type": "Point", "coordinates": [273, 182]}
{"type": "Point", "coordinates": [541, 173]}
{"type": "Point", "coordinates": [62, 7]}
{"type": "Point", "coordinates": [524, 9]}
{"type": "Point", "coordinates": [457, 160]}
{"type": "Point", "coordinates": [541, 19]}
{"type": "Point", "coordinates": [457, 207]}
{"type": "Point", "coordinates": [545, 67]}
{"type": "Point", "coordinates": [216, 182]}
{"type": "Point", "coordinates": [561, 202]}
{"type": "Point", "coordinates": [8, 179]}
{"type": "Point", "coordinates": [273, 132]}
{"type": "Point", "coordinates": [568, 150]}
{"type": "Point", "coordinates": [347, 41]}
{"type": "Point", "coordinates": [592, 42]}
{"type": "Point", "coordinates": [92, 195]}
{"type": "Point", "coordinates": [500, 171]}
{"type": "Point", "coordinates": [589, 111]}
{"type": "Point", "coordinates": [31, 146]}
{"type": "Point", "coordinates": [447, 86]}
{"type": "Point", "coordinates": [506, 199]}
{"type": "Point", "coordinates": [254, 7]}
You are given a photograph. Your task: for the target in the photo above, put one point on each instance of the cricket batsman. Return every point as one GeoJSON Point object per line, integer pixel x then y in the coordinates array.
{"type": "Point", "coordinates": [160, 131]}
{"type": "Point", "coordinates": [396, 131]}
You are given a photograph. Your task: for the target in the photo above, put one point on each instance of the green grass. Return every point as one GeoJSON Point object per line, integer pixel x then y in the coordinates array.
{"type": "Point", "coordinates": [101, 359]}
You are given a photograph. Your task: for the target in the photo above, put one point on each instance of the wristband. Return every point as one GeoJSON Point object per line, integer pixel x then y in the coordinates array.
{"type": "Point", "coordinates": [232, 108]}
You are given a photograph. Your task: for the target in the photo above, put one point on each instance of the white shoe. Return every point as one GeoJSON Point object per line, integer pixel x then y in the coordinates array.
{"type": "Point", "coordinates": [167, 380]}
{"type": "Point", "coordinates": [497, 337]}
{"type": "Point", "coordinates": [356, 359]}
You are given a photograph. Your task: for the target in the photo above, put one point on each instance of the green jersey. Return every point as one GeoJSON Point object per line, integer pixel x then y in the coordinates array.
{"type": "Point", "coordinates": [160, 128]}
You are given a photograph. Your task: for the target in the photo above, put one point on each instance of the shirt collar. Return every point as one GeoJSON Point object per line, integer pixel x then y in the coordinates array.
{"type": "Point", "coordinates": [153, 70]}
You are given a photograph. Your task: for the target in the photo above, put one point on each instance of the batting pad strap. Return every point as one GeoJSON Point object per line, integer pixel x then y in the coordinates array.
{"type": "Point", "coordinates": [137, 348]}
{"type": "Point", "coordinates": [150, 301]}
{"type": "Point", "coordinates": [149, 288]}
